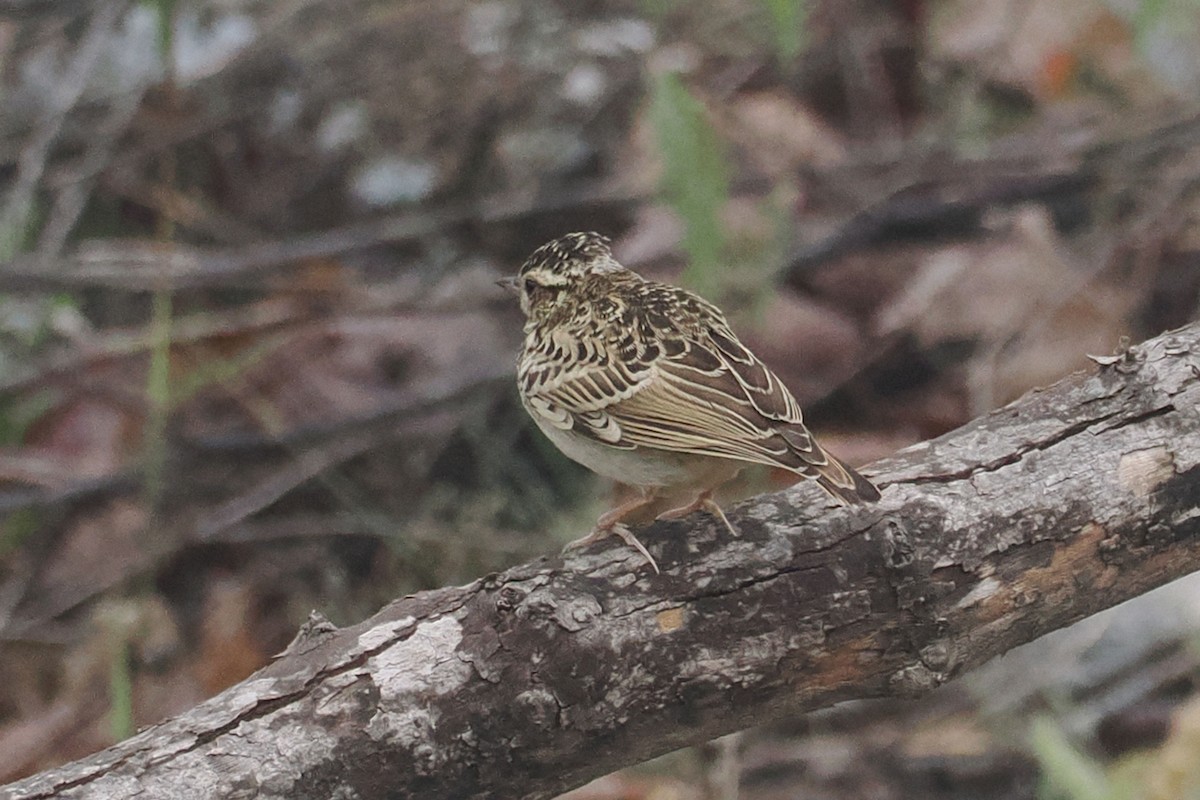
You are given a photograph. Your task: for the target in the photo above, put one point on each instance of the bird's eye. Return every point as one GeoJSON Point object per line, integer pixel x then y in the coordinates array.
{"type": "Point", "coordinates": [539, 291]}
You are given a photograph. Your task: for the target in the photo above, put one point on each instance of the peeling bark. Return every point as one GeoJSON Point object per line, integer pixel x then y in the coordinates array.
{"type": "Point", "coordinates": [535, 680]}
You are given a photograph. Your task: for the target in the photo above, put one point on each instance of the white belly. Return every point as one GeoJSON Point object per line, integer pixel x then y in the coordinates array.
{"type": "Point", "coordinates": [644, 466]}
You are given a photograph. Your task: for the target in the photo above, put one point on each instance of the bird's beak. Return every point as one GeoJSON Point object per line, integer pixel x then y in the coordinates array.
{"type": "Point", "coordinates": [510, 284]}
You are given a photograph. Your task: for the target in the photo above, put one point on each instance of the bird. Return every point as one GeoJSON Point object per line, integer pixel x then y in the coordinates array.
{"type": "Point", "coordinates": [646, 383]}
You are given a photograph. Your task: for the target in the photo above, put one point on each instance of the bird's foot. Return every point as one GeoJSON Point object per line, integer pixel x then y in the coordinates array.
{"type": "Point", "coordinates": [704, 502]}
{"type": "Point", "coordinates": [596, 535]}
{"type": "Point", "coordinates": [627, 536]}
{"type": "Point", "coordinates": [602, 531]}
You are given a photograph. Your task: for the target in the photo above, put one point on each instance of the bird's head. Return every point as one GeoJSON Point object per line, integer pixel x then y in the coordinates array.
{"type": "Point", "coordinates": [552, 274]}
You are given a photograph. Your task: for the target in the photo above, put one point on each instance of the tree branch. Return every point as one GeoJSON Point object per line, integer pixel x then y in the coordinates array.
{"type": "Point", "coordinates": [535, 680]}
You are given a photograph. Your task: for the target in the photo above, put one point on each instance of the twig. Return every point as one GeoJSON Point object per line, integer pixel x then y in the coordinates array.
{"type": "Point", "coordinates": [32, 162]}
{"type": "Point", "coordinates": [259, 319]}
{"type": "Point", "coordinates": [148, 266]}
{"type": "Point", "coordinates": [76, 187]}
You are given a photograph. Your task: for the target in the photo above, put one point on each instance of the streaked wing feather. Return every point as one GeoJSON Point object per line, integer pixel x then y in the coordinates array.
{"type": "Point", "coordinates": [575, 394]}
{"type": "Point", "coordinates": [691, 401]}
{"type": "Point", "coordinates": [705, 413]}
{"type": "Point", "coordinates": [759, 384]}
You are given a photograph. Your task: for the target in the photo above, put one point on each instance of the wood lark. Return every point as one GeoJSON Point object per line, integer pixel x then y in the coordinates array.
{"type": "Point", "coordinates": [646, 384]}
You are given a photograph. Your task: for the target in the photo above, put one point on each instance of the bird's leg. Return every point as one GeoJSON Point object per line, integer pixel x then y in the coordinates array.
{"type": "Point", "coordinates": [610, 518]}
{"type": "Point", "coordinates": [610, 523]}
{"type": "Point", "coordinates": [703, 501]}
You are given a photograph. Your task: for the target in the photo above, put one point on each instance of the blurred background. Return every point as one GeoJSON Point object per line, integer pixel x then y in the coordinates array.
{"type": "Point", "coordinates": [252, 360]}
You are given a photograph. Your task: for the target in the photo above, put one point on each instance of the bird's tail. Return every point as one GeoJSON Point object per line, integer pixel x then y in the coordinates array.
{"type": "Point", "coordinates": [844, 483]}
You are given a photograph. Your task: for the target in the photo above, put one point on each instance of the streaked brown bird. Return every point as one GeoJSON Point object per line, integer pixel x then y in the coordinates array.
{"type": "Point", "coordinates": [646, 384]}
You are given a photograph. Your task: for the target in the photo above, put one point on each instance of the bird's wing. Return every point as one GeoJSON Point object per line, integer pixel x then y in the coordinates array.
{"type": "Point", "coordinates": [680, 382]}
{"type": "Point", "coordinates": [710, 395]}
{"type": "Point", "coordinates": [571, 380]}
